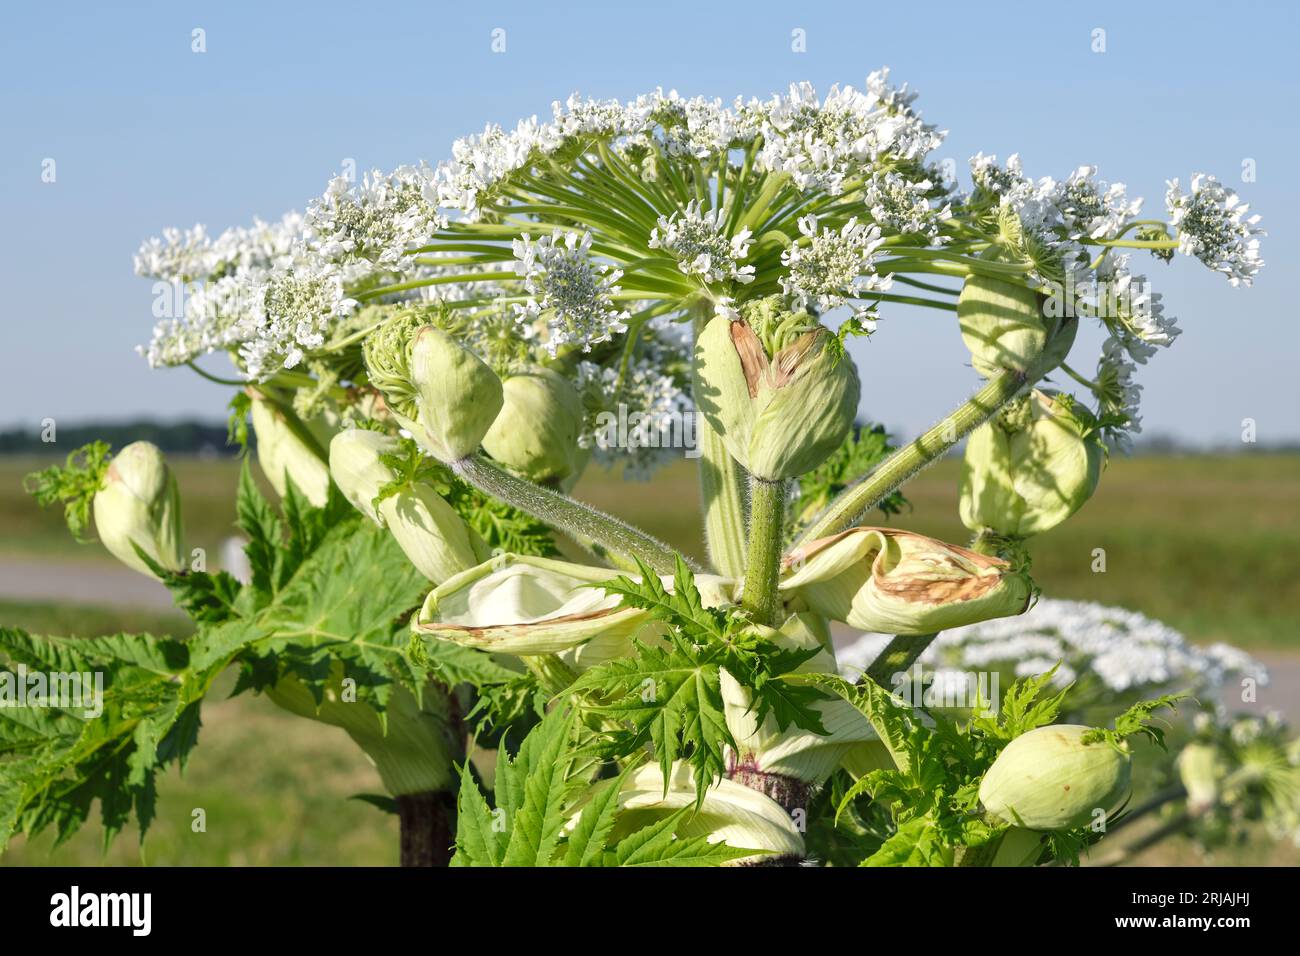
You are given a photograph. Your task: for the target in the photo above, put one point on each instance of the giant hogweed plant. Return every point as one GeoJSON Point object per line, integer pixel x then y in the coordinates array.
{"type": "Point", "coordinates": [431, 358]}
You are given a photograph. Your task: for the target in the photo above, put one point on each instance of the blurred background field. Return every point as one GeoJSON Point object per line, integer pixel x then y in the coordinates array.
{"type": "Point", "coordinates": [1208, 543]}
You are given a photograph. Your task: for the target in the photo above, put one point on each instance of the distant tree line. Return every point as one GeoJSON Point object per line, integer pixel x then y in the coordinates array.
{"type": "Point", "coordinates": [184, 437]}
{"type": "Point", "coordinates": [209, 438]}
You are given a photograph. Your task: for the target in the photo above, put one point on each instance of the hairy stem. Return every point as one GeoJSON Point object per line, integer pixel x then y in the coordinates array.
{"type": "Point", "coordinates": [899, 654]}
{"type": "Point", "coordinates": [580, 521]}
{"type": "Point", "coordinates": [766, 532]}
{"type": "Point", "coordinates": [926, 450]}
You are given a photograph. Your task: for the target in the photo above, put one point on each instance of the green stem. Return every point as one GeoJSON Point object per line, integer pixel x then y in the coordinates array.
{"type": "Point", "coordinates": [924, 451]}
{"type": "Point", "coordinates": [579, 521]}
{"type": "Point", "coordinates": [899, 654]}
{"type": "Point", "coordinates": [553, 674]}
{"type": "Point", "coordinates": [981, 855]}
{"type": "Point", "coordinates": [766, 533]}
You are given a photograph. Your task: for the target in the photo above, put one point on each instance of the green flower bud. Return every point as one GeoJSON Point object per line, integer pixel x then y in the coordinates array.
{"type": "Point", "coordinates": [1028, 470]}
{"type": "Point", "coordinates": [777, 388]}
{"type": "Point", "coordinates": [897, 582]}
{"type": "Point", "coordinates": [412, 744]}
{"type": "Point", "coordinates": [1019, 847]}
{"type": "Point", "coordinates": [536, 434]}
{"type": "Point", "coordinates": [1202, 770]}
{"type": "Point", "coordinates": [458, 396]}
{"type": "Point", "coordinates": [730, 813]}
{"type": "Point", "coordinates": [433, 536]}
{"type": "Point", "coordinates": [288, 448]}
{"type": "Point", "coordinates": [139, 503]}
{"type": "Point", "coordinates": [1049, 779]}
{"type": "Point", "coordinates": [1002, 323]}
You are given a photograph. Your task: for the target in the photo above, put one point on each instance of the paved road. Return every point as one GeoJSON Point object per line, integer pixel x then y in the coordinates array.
{"type": "Point", "coordinates": [77, 582]}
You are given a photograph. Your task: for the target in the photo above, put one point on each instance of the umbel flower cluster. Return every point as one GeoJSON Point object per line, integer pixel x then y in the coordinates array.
{"type": "Point", "coordinates": [431, 359]}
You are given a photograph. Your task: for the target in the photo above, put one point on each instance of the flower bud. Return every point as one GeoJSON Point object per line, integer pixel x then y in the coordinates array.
{"type": "Point", "coordinates": [897, 582]}
{"type": "Point", "coordinates": [288, 448]}
{"type": "Point", "coordinates": [1002, 323]}
{"type": "Point", "coordinates": [524, 605]}
{"type": "Point", "coordinates": [1027, 471]}
{"type": "Point", "coordinates": [1019, 847]}
{"type": "Point", "coordinates": [458, 396]}
{"type": "Point", "coordinates": [536, 433]}
{"type": "Point", "coordinates": [1049, 779]}
{"type": "Point", "coordinates": [433, 536]}
{"type": "Point", "coordinates": [763, 748]}
{"type": "Point", "coordinates": [140, 504]}
{"type": "Point", "coordinates": [776, 388]}
{"type": "Point", "coordinates": [730, 813]}
{"type": "Point", "coordinates": [1201, 770]}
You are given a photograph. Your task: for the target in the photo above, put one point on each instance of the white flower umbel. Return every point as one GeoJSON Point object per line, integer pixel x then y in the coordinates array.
{"type": "Point", "coordinates": [1127, 651]}
{"type": "Point", "coordinates": [824, 144]}
{"type": "Point", "coordinates": [1118, 396]}
{"type": "Point", "coordinates": [375, 222]}
{"type": "Point", "coordinates": [571, 288]}
{"type": "Point", "coordinates": [1213, 226]}
{"type": "Point", "coordinates": [1133, 312]}
{"type": "Point", "coordinates": [192, 255]}
{"type": "Point", "coordinates": [293, 313]}
{"type": "Point", "coordinates": [1092, 208]}
{"type": "Point", "coordinates": [698, 242]}
{"type": "Point", "coordinates": [829, 266]}
{"type": "Point", "coordinates": [901, 205]}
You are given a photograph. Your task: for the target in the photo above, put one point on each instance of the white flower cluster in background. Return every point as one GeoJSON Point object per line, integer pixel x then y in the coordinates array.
{"type": "Point", "coordinates": [1125, 650]}
{"type": "Point", "coordinates": [644, 417]}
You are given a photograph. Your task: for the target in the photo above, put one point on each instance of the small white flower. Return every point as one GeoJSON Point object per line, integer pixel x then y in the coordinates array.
{"type": "Point", "coordinates": [698, 243]}
{"type": "Point", "coordinates": [1213, 226]}
{"type": "Point", "coordinates": [828, 266]}
{"type": "Point", "coordinates": [1118, 395]}
{"type": "Point", "coordinates": [571, 287]}
{"type": "Point", "coordinates": [375, 222]}
{"type": "Point", "coordinates": [1092, 208]}
{"type": "Point", "coordinates": [900, 204]}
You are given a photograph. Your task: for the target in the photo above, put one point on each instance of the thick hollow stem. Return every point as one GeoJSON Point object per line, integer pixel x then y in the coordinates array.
{"type": "Point", "coordinates": [581, 522]}
{"type": "Point", "coordinates": [899, 654]}
{"type": "Point", "coordinates": [766, 532]}
{"type": "Point", "coordinates": [924, 451]}
{"type": "Point", "coordinates": [427, 822]}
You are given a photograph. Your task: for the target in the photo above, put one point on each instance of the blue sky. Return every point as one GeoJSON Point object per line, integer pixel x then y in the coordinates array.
{"type": "Point", "coordinates": [146, 134]}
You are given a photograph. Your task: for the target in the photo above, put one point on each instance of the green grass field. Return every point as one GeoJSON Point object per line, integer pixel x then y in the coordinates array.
{"type": "Point", "coordinates": [1208, 544]}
